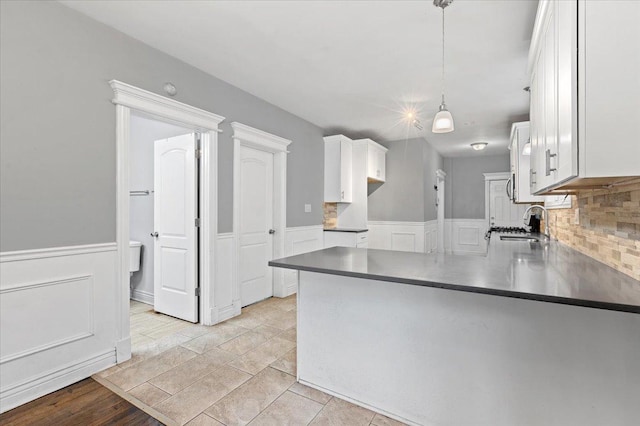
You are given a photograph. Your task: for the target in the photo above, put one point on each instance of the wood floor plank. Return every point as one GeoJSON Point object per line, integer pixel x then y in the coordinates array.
{"type": "Point", "coordinates": [84, 403]}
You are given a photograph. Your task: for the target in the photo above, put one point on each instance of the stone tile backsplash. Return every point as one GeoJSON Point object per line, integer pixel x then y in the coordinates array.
{"type": "Point", "coordinates": [330, 215]}
{"type": "Point", "coordinates": [608, 229]}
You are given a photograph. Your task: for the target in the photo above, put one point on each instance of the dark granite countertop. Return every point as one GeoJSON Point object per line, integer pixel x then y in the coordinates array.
{"type": "Point", "coordinates": [543, 271]}
{"type": "Point", "coordinates": [346, 229]}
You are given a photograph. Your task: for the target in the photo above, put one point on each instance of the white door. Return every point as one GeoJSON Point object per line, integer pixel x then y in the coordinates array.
{"type": "Point", "coordinates": [175, 209]}
{"type": "Point", "coordinates": [502, 212]}
{"type": "Point", "coordinates": [256, 221]}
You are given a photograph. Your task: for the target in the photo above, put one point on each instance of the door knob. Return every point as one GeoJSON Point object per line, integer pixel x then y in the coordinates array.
{"type": "Point", "coordinates": [272, 231]}
{"type": "Point", "coordinates": [154, 234]}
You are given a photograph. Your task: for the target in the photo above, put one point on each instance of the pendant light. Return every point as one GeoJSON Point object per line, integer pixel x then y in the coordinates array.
{"type": "Point", "coordinates": [443, 121]}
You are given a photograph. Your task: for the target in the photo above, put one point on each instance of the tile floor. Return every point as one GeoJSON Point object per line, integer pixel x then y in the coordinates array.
{"type": "Point", "coordinates": [239, 372]}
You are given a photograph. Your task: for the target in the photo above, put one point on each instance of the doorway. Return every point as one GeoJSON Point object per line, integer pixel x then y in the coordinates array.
{"type": "Point", "coordinates": [131, 100]}
{"type": "Point", "coordinates": [259, 212]}
{"type": "Point", "coordinates": [256, 225]}
{"type": "Point", "coordinates": [163, 211]}
{"type": "Point", "coordinates": [500, 211]}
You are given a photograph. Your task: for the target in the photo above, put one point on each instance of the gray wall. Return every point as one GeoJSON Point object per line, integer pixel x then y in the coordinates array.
{"type": "Point", "coordinates": [464, 184]}
{"type": "Point", "coordinates": [57, 127]}
{"type": "Point", "coordinates": [410, 176]}
{"type": "Point", "coordinates": [144, 132]}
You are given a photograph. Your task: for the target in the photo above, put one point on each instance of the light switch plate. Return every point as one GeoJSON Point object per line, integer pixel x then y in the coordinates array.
{"type": "Point", "coordinates": [307, 208]}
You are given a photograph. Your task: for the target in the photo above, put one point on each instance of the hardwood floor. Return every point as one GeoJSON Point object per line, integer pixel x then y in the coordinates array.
{"type": "Point", "coordinates": [83, 403]}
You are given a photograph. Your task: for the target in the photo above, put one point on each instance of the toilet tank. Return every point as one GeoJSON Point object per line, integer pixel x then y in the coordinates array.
{"type": "Point", "coordinates": [134, 255]}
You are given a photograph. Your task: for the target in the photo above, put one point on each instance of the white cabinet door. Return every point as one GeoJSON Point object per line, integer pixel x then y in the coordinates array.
{"type": "Point", "coordinates": [338, 169]}
{"type": "Point", "coordinates": [175, 246]}
{"type": "Point", "coordinates": [376, 161]}
{"type": "Point", "coordinates": [550, 119]}
{"type": "Point", "coordinates": [567, 101]}
{"type": "Point", "coordinates": [346, 171]}
{"type": "Point", "coordinates": [256, 219]}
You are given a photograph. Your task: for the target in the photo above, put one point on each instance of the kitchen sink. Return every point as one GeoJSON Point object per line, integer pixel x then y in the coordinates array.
{"type": "Point", "coordinates": [519, 238]}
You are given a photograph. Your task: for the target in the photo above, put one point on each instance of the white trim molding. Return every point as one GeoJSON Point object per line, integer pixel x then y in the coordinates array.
{"type": "Point", "coordinates": [419, 237]}
{"type": "Point", "coordinates": [259, 139]}
{"type": "Point", "coordinates": [163, 107]}
{"type": "Point", "coordinates": [244, 135]}
{"type": "Point", "coordinates": [129, 99]}
{"type": "Point", "coordinates": [300, 239]}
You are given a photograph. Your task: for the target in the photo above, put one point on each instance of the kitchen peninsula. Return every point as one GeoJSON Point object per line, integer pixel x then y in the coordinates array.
{"type": "Point", "coordinates": [533, 333]}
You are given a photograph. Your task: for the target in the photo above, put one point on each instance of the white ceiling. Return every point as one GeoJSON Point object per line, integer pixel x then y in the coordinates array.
{"type": "Point", "coordinates": [353, 66]}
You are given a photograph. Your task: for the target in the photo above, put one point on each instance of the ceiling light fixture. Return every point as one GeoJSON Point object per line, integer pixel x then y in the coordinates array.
{"type": "Point", "coordinates": [443, 121]}
{"type": "Point", "coordinates": [526, 150]}
{"type": "Point", "coordinates": [479, 146]}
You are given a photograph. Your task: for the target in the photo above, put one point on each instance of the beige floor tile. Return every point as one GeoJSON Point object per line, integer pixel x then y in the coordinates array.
{"type": "Point", "coordinates": [204, 420]}
{"type": "Point", "coordinates": [339, 412]}
{"type": "Point", "coordinates": [149, 394]}
{"type": "Point", "coordinates": [267, 331]}
{"type": "Point", "coordinates": [246, 402]}
{"type": "Point", "coordinates": [289, 409]}
{"type": "Point", "coordinates": [287, 362]}
{"type": "Point", "coordinates": [283, 320]}
{"type": "Point", "coordinates": [243, 343]}
{"type": "Point", "coordinates": [260, 357]}
{"type": "Point", "coordinates": [310, 393]}
{"type": "Point", "coordinates": [109, 371]}
{"type": "Point", "coordinates": [219, 334]}
{"type": "Point", "coordinates": [290, 334]}
{"type": "Point", "coordinates": [188, 403]}
{"type": "Point", "coordinates": [246, 320]}
{"type": "Point", "coordinates": [167, 329]}
{"type": "Point", "coordinates": [191, 371]}
{"type": "Point", "coordinates": [138, 307]}
{"type": "Point", "coordinates": [150, 349]}
{"type": "Point", "coordinates": [140, 340]}
{"type": "Point", "coordinates": [380, 420]}
{"type": "Point", "coordinates": [152, 367]}
{"type": "Point", "coordinates": [196, 330]}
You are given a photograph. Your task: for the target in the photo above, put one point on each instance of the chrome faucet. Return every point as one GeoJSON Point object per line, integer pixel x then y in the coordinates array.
{"type": "Point", "coordinates": [546, 218]}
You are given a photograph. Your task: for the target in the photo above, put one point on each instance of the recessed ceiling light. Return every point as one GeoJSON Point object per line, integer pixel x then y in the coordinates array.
{"type": "Point", "coordinates": [479, 146]}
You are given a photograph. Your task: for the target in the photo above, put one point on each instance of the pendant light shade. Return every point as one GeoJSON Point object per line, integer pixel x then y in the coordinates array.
{"type": "Point", "coordinates": [443, 121]}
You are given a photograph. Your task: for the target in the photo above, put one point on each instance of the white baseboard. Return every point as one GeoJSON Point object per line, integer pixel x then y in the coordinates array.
{"type": "Point", "coordinates": [54, 380]}
{"type": "Point", "coordinates": [142, 296]}
{"type": "Point", "coordinates": [123, 350]}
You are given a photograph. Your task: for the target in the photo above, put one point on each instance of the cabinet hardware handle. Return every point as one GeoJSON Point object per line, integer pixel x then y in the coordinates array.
{"type": "Point", "coordinates": [549, 169]}
{"type": "Point", "coordinates": [154, 234]}
{"type": "Point", "coordinates": [507, 189]}
{"type": "Point", "coordinates": [342, 195]}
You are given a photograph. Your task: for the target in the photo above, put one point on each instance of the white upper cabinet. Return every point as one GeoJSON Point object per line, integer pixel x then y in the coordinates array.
{"type": "Point", "coordinates": [520, 187]}
{"type": "Point", "coordinates": [376, 161]}
{"type": "Point", "coordinates": [338, 163]}
{"type": "Point", "coordinates": [585, 94]}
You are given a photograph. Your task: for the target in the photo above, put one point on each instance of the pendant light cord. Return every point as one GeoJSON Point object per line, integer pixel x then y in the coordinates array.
{"type": "Point", "coordinates": [443, 56]}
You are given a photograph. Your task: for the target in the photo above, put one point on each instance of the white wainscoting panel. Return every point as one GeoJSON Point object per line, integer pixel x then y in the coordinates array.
{"type": "Point", "coordinates": [298, 240]}
{"type": "Point", "coordinates": [465, 236]}
{"type": "Point", "coordinates": [58, 318]}
{"type": "Point", "coordinates": [431, 236]}
{"type": "Point", "coordinates": [400, 236]}
{"type": "Point", "coordinates": [226, 303]}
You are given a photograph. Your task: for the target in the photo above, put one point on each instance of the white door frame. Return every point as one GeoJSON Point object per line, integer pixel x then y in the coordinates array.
{"type": "Point", "coordinates": [440, 193]}
{"type": "Point", "coordinates": [244, 135]}
{"type": "Point", "coordinates": [488, 177]}
{"type": "Point", "coordinates": [128, 98]}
